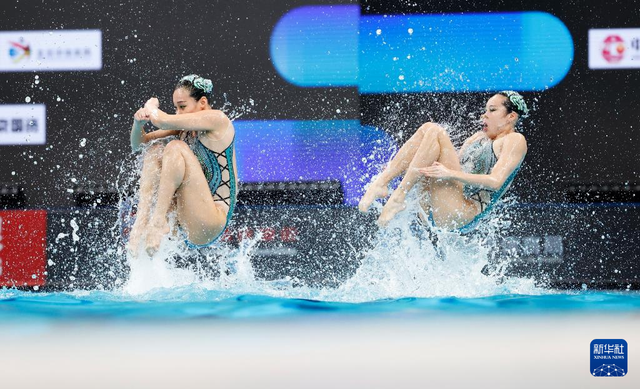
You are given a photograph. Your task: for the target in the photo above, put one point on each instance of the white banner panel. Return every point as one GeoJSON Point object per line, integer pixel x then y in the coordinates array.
{"type": "Point", "coordinates": [25, 51]}
{"type": "Point", "coordinates": [614, 48]}
{"type": "Point", "coordinates": [23, 124]}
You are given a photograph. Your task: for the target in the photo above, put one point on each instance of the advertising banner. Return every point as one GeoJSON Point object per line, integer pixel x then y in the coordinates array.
{"type": "Point", "coordinates": [23, 124]}
{"type": "Point", "coordinates": [614, 48]}
{"type": "Point", "coordinates": [25, 51]}
{"type": "Point", "coordinates": [22, 248]}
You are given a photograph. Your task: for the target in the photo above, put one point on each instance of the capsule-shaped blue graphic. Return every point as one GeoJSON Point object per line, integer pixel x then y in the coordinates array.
{"type": "Point", "coordinates": [315, 46]}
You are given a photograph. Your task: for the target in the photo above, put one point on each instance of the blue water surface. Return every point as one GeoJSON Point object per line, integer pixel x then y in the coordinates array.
{"type": "Point", "coordinates": [182, 304]}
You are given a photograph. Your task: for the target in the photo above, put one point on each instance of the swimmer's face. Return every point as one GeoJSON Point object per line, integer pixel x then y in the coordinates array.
{"type": "Point", "coordinates": [495, 118]}
{"type": "Point", "coordinates": [184, 103]}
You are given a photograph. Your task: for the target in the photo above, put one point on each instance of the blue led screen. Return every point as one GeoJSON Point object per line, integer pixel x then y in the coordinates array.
{"type": "Point", "coordinates": [320, 46]}
{"type": "Point", "coordinates": [311, 150]}
{"type": "Point", "coordinates": [462, 53]}
{"type": "Point", "coordinates": [317, 45]}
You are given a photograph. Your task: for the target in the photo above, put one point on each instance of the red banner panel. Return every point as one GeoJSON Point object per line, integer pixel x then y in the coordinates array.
{"type": "Point", "coordinates": [22, 248]}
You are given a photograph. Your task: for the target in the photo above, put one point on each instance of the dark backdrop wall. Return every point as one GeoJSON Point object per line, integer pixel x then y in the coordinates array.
{"type": "Point", "coordinates": [585, 129]}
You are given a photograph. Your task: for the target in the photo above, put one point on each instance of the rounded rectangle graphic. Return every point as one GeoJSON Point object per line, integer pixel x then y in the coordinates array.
{"type": "Point", "coordinates": [316, 46]}
{"type": "Point", "coordinates": [55, 50]}
{"type": "Point", "coordinates": [609, 358]}
{"type": "Point", "coordinates": [23, 124]}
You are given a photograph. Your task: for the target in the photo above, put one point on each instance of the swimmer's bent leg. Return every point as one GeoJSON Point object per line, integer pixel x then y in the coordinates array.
{"type": "Point", "coordinates": [397, 166]}
{"type": "Point", "coordinates": [198, 214]}
{"type": "Point", "coordinates": [149, 180]}
{"type": "Point", "coordinates": [435, 146]}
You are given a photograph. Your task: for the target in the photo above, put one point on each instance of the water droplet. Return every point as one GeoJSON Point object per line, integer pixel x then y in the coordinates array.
{"type": "Point", "coordinates": [83, 142]}
{"type": "Point", "coordinates": [401, 77]}
{"type": "Point", "coordinates": [378, 31]}
{"type": "Point", "coordinates": [27, 99]}
{"type": "Point", "coordinates": [410, 31]}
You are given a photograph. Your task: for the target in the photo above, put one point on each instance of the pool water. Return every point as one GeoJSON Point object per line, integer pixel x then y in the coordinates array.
{"type": "Point", "coordinates": [188, 303]}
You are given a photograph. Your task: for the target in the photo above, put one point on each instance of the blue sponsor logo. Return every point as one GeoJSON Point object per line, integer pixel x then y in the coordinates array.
{"type": "Point", "coordinates": [609, 358]}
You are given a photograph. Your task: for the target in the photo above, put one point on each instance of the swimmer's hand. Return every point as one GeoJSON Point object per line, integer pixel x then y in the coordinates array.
{"type": "Point", "coordinates": [152, 103]}
{"type": "Point", "coordinates": [141, 116]}
{"type": "Point", "coordinates": [437, 170]}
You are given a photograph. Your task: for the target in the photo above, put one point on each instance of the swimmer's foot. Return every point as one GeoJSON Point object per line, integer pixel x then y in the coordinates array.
{"type": "Point", "coordinates": [155, 232]}
{"type": "Point", "coordinates": [390, 210]}
{"type": "Point", "coordinates": [135, 235]}
{"type": "Point", "coordinates": [375, 191]}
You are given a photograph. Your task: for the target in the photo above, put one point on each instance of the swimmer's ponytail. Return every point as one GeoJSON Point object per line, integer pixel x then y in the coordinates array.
{"type": "Point", "coordinates": [197, 86]}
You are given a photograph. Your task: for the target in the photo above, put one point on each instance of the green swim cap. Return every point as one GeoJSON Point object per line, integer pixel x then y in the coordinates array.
{"type": "Point", "coordinates": [517, 102]}
{"type": "Point", "coordinates": [204, 84]}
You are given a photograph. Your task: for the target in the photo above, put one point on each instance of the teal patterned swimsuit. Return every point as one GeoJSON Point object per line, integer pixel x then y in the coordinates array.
{"type": "Point", "coordinates": [213, 165]}
{"type": "Point", "coordinates": [479, 158]}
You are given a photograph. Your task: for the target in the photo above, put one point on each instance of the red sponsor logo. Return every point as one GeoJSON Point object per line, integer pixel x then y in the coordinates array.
{"type": "Point", "coordinates": [613, 49]}
{"type": "Point", "coordinates": [22, 248]}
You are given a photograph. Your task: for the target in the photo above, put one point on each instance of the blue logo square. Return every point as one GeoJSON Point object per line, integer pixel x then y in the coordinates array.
{"type": "Point", "coordinates": [609, 358]}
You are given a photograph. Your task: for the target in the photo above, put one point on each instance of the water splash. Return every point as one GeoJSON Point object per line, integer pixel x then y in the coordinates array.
{"type": "Point", "coordinates": [403, 261]}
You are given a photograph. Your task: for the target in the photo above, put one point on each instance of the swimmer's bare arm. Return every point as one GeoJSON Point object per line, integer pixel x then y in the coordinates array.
{"type": "Point", "coordinates": [513, 151]}
{"type": "Point", "coordinates": [207, 120]}
{"type": "Point", "coordinates": [138, 135]}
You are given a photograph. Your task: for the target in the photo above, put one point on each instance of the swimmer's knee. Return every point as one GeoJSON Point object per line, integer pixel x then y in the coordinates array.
{"type": "Point", "coordinates": [175, 146]}
{"type": "Point", "coordinates": [154, 149]}
{"type": "Point", "coordinates": [153, 153]}
{"type": "Point", "coordinates": [432, 128]}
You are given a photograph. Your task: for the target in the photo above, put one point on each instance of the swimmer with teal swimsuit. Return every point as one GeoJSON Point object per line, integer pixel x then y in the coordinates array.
{"type": "Point", "coordinates": [460, 187]}
{"type": "Point", "coordinates": [193, 174]}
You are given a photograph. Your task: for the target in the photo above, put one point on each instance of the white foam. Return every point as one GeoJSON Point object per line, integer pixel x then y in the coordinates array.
{"type": "Point", "coordinates": [399, 265]}
{"type": "Point", "coordinates": [157, 272]}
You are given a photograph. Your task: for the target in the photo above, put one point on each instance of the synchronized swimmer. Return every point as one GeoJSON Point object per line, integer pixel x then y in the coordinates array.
{"type": "Point", "coordinates": [194, 175]}
{"type": "Point", "coordinates": [460, 186]}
